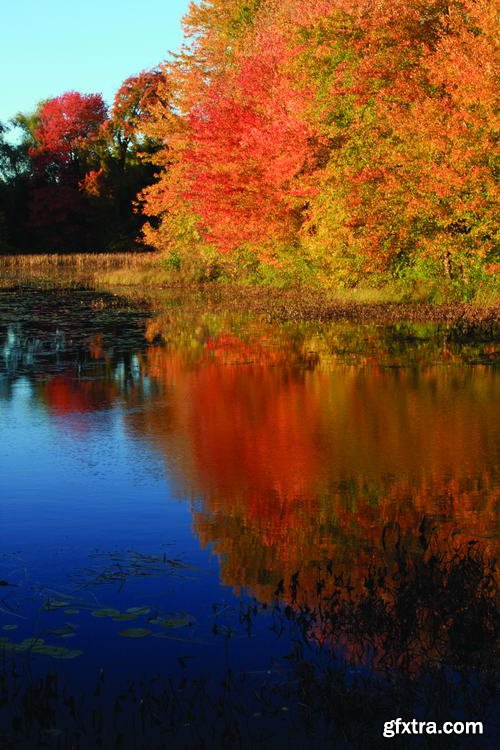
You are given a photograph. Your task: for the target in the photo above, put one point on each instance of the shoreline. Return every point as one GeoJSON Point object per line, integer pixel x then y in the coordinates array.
{"type": "Point", "coordinates": [281, 306]}
{"type": "Point", "coordinates": [141, 276]}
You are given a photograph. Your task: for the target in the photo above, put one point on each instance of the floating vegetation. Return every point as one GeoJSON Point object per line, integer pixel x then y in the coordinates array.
{"type": "Point", "coordinates": [56, 604]}
{"type": "Point", "coordinates": [171, 622]}
{"type": "Point", "coordinates": [53, 604]}
{"type": "Point", "coordinates": [123, 566]}
{"type": "Point", "coordinates": [57, 652]}
{"type": "Point", "coordinates": [38, 646]}
{"type": "Point", "coordinates": [355, 655]}
{"type": "Point", "coordinates": [135, 633]}
{"type": "Point", "coordinates": [68, 630]}
{"type": "Point", "coordinates": [138, 610]}
{"type": "Point", "coordinates": [55, 601]}
{"type": "Point", "coordinates": [105, 613]}
{"type": "Point", "coordinates": [124, 617]}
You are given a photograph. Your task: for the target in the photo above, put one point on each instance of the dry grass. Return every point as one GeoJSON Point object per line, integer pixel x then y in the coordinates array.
{"type": "Point", "coordinates": [77, 268]}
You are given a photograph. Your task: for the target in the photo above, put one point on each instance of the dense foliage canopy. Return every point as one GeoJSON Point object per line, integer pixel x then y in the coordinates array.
{"type": "Point", "coordinates": [326, 137]}
{"type": "Point", "coordinates": [351, 136]}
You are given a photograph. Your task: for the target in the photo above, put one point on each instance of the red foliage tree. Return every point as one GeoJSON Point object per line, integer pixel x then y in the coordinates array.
{"type": "Point", "coordinates": [359, 134]}
{"type": "Point", "coordinates": [68, 146]}
{"type": "Point", "coordinates": [69, 129]}
{"type": "Point", "coordinates": [249, 143]}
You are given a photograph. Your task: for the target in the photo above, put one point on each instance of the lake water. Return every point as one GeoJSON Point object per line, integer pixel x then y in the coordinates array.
{"type": "Point", "coordinates": [163, 465]}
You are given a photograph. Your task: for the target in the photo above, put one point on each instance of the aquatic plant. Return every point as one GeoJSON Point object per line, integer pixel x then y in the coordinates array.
{"type": "Point", "coordinates": [417, 641]}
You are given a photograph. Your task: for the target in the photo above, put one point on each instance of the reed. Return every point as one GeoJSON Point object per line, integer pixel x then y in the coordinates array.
{"type": "Point", "coordinates": [68, 268]}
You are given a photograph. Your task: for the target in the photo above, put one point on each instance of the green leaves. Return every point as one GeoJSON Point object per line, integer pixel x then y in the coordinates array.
{"type": "Point", "coordinates": [138, 611]}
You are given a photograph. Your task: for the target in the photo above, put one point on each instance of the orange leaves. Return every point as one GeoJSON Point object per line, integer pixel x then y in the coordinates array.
{"type": "Point", "coordinates": [244, 139]}
{"type": "Point", "coordinates": [464, 60]}
{"type": "Point", "coordinates": [418, 157]}
{"type": "Point", "coordinates": [352, 132]}
{"type": "Point", "coordinates": [92, 183]}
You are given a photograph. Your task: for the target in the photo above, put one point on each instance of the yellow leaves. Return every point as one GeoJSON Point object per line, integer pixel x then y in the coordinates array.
{"type": "Point", "coordinates": [351, 129]}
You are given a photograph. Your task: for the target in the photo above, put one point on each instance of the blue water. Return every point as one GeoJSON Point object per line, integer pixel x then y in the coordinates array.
{"type": "Point", "coordinates": [216, 474]}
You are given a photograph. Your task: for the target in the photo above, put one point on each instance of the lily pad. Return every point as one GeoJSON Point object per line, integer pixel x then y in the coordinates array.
{"type": "Point", "coordinates": [52, 604]}
{"type": "Point", "coordinates": [135, 633]}
{"type": "Point", "coordinates": [105, 612]}
{"type": "Point", "coordinates": [171, 622]}
{"type": "Point", "coordinates": [138, 610]}
{"type": "Point", "coordinates": [10, 627]}
{"type": "Point", "coordinates": [71, 611]}
{"type": "Point", "coordinates": [57, 652]}
{"type": "Point", "coordinates": [29, 644]}
{"type": "Point", "coordinates": [124, 616]}
{"type": "Point", "coordinates": [61, 632]}
{"type": "Point", "coordinates": [38, 646]}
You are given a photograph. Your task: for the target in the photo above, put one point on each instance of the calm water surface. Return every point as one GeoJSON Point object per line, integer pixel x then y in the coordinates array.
{"type": "Point", "coordinates": [164, 457]}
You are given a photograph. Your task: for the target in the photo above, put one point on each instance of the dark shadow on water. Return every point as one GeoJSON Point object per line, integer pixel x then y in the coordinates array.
{"type": "Point", "coordinates": [417, 641]}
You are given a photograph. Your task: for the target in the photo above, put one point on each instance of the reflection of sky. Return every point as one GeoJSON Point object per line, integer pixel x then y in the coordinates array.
{"type": "Point", "coordinates": [88, 481]}
{"type": "Point", "coordinates": [66, 493]}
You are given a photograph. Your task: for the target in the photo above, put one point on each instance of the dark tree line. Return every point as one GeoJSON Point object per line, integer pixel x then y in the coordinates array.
{"type": "Point", "coordinates": [70, 171]}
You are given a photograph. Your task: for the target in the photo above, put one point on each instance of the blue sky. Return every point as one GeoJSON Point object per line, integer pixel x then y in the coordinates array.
{"type": "Point", "coordinates": [48, 47]}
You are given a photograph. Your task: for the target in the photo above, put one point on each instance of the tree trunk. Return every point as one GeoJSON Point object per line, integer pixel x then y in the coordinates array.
{"type": "Point", "coordinates": [447, 265]}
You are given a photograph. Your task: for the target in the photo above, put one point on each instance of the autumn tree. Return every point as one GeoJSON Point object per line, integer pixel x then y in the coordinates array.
{"type": "Point", "coordinates": [82, 169]}
{"type": "Point", "coordinates": [409, 178]}
{"type": "Point", "coordinates": [66, 145]}
{"type": "Point", "coordinates": [67, 135]}
{"type": "Point", "coordinates": [128, 114]}
{"type": "Point", "coordinates": [214, 35]}
{"type": "Point", "coordinates": [125, 166]}
{"type": "Point", "coordinates": [358, 134]}
{"type": "Point", "coordinates": [339, 136]}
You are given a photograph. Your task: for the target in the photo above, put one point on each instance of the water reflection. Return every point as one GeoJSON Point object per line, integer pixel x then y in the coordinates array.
{"type": "Point", "coordinates": [299, 458]}
{"type": "Point", "coordinates": [301, 446]}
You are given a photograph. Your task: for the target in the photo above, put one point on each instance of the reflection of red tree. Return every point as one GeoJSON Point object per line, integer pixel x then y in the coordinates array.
{"type": "Point", "coordinates": [69, 397]}
{"type": "Point", "coordinates": [66, 395]}
{"type": "Point", "coordinates": [252, 441]}
{"type": "Point", "coordinates": [296, 467]}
